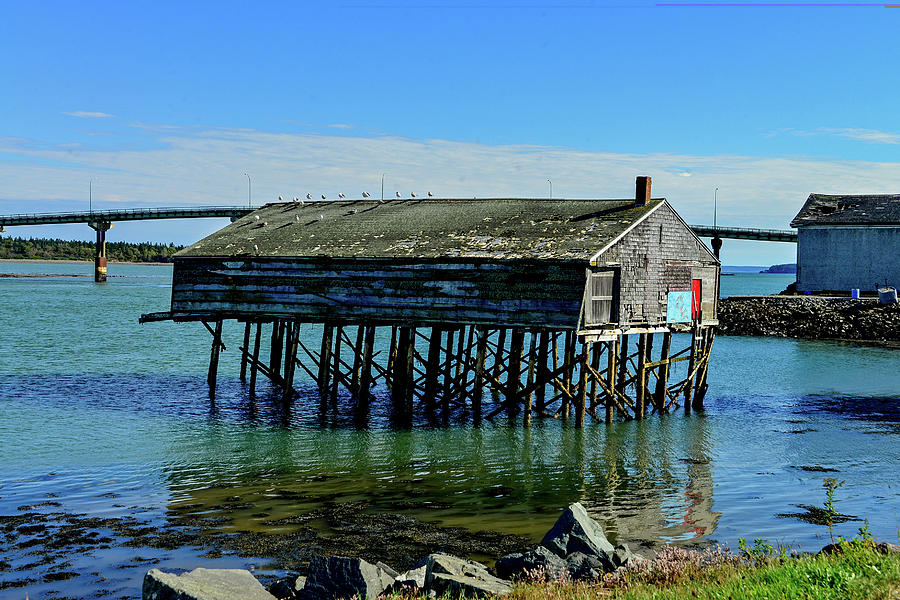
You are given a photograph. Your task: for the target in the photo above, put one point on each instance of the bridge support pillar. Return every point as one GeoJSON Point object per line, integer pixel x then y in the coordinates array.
{"type": "Point", "coordinates": [101, 227]}
{"type": "Point", "coordinates": [716, 245]}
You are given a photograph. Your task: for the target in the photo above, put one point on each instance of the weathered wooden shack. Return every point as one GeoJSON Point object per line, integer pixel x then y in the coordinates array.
{"type": "Point", "coordinates": [846, 242]}
{"type": "Point", "coordinates": [469, 280]}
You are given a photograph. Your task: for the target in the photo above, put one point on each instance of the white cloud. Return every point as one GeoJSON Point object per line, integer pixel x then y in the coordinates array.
{"type": "Point", "coordinates": [866, 135]}
{"type": "Point", "coordinates": [84, 114]}
{"type": "Point", "coordinates": [186, 166]}
{"type": "Point", "coordinates": [873, 136]}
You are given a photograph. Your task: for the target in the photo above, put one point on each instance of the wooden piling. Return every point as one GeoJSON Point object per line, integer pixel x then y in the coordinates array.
{"type": "Point", "coordinates": [357, 359]}
{"type": "Point", "coordinates": [692, 362]}
{"type": "Point", "coordinates": [447, 390]}
{"type": "Point", "coordinates": [514, 370]}
{"type": "Point", "coordinates": [662, 380]}
{"type": "Point", "coordinates": [409, 362]}
{"type": "Point", "coordinates": [568, 376]}
{"type": "Point", "coordinates": [540, 390]}
{"type": "Point", "coordinates": [478, 384]}
{"type": "Point", "coordinates": [290, 360]}
{"type": "Point", "coordinates": [325, 359]}
{"type": "Point", "coordinates": [581, 395]}
{"type": "Point", "coordinates": [214, 358]}
{"type": "Point", "coordinates": [612, 356]}
{"type": "Point", "coordinates": [246, 347]}
{"type": "Point", "coordinates": [365, 374]}
{"type": "Point", "coordinates": [640, 387]}
{"type": "Point", "coordinates": [254, 359]}
{"type": "Point", "coordinates": [532, 359]}
{"type": "Point", "coordinates": [432, 368]}
{"type": "Point", "coordinates": [708, 335]}
{"type": "Point", "coordinates": [336, 368]}
{"type": "Point", "coordinates": [623, 365]}
{"type": "Point", "coordinates": [596, 351]}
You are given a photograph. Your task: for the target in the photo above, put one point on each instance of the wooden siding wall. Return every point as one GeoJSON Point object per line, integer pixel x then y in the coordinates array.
{"type": "Point", "coordinates": [517, 293]}
{"type": "Point", "coordinates": [655, 257]}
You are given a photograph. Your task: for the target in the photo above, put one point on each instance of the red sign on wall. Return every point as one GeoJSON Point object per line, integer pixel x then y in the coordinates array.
{"type": "Point", "coordinates": [696, 295]}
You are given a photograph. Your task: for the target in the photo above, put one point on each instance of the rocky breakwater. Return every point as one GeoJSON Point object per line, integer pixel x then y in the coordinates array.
{"type": "Point", "coordinates": [574, 548]}
{"type": "Point", "coordinates": [810, 317]}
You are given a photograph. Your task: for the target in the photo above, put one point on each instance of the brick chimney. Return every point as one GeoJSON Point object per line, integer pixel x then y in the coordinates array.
{"type": "Point", "coordinates": [642, 191]}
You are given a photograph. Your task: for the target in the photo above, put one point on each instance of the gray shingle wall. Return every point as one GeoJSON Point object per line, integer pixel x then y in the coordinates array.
{"type": "Point", "coordinates": [840, 258]}
{"type": "Point", "coordinates": [656, 257]}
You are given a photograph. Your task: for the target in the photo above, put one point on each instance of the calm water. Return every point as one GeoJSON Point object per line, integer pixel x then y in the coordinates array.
{"type": "Point", "coordinates": [108, 417]}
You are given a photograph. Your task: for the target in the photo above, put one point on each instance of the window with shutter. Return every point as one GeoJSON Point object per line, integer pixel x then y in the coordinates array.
{"type": "Point", "coordinates": [600, 296]}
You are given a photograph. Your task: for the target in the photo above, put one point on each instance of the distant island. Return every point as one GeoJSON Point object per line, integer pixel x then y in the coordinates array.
{"type": "Point", "coordinates": [790, 268]}
{"type": "Point", "coordinates": [55, 249]}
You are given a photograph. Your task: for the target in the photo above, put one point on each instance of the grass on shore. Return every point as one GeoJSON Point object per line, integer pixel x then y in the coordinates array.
{"type": "Point", "coordinates": [860, 571]}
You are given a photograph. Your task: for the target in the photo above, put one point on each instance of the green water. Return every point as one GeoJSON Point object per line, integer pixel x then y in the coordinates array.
{"type": "Point", "coordinates": [103, 415]}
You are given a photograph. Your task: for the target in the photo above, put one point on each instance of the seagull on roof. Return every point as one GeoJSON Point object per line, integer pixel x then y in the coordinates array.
{"type": "Point", "coordinates": [297, 218]}
{"type": "Point", "coordinates": [256, 217]}
{"type": "Point", "coordinates": [430, 195]}
{"type": "Point", "coordinates": [309, 196]}
{"type": "Point", "coordinates": [341, 195]}
{"type": "Point", "coordinates": [398, 195]}
{"type": "Point", "coordinates": [255, 248]}
{"type": "Point", "coordinates": [296, 199]}
{"type": "Point", "coordinates": [412, 194]}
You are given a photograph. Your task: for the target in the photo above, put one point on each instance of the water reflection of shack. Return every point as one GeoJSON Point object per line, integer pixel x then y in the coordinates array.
{"type": "Point", "coordinates": [552, 305]}
{"type": "Point", "coordinates": [643, 481]}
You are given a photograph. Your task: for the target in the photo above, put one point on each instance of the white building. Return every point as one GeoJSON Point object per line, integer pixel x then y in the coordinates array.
{"type": "Point", "coordinates": [846, 242]}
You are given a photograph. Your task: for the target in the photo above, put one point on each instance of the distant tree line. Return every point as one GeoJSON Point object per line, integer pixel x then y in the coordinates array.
{"type": "Point", "coordinates": [54, 249]}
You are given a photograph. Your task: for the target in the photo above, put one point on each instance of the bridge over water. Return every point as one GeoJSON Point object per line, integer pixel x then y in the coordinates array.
{"type": "Point", "coordinates": [101, 220]}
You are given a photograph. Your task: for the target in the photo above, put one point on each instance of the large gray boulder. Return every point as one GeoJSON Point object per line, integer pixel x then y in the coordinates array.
{"type": "Point", "coordinates": [203, 584]}
{"type": "Point", "coordinates": [449, 575]}
{"type": "Point", "coordinates": [536, 561]}
{"type": "Point", "coordinates": [575, 531]}
{"type": "Point", "coordinates": [343, 577]}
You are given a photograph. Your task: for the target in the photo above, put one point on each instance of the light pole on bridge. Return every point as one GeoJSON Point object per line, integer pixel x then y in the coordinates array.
{"type": "Point", "coordinates": [249, 204]}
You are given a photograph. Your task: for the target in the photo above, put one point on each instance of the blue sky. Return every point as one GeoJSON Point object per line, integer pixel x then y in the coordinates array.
{"type": "Point", "coordinates": [169, 103]}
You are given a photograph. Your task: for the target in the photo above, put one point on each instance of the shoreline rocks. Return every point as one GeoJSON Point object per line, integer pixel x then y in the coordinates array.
{"type": "Point", "coordinates": [810, 317]}
{"type": "Point", "coordinates": [574, 548]}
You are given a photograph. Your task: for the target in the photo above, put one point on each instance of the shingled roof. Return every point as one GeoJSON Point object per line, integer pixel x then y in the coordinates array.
{"type": "Point", "coordinates": [821, 209]}
{"type": "Point", "coordinates": [431, 228]}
